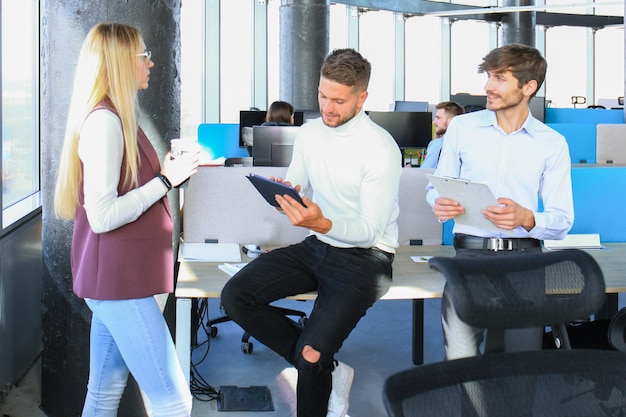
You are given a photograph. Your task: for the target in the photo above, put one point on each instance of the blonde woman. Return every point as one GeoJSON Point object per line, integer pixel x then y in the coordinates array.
{"type": "Point", "coordinates": [113, 187]}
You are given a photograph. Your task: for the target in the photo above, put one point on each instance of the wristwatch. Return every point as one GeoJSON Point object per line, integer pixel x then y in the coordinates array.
{"type": "Point", "coordinates": [165, 181]}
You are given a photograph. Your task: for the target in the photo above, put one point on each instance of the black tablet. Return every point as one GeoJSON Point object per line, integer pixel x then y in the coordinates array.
{"type": "Point", "coordinates": [269, 188]}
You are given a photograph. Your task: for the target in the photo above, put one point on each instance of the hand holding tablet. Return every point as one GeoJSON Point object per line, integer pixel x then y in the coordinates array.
{"type": "Point", "coordinates": [269, 188]}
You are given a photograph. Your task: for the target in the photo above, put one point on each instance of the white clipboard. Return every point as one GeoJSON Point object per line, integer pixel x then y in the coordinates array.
{"type": "Point", "coordinates": [209, 252]}
{"type": "Point", "coordinates": [473, 196]}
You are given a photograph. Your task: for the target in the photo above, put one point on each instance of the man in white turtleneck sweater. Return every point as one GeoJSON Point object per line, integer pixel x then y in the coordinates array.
{"type": "Point", "coordinates": [349, 170]}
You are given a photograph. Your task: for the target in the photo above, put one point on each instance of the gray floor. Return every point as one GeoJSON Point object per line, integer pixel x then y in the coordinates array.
{"type": "Point", "coordinates": [379, 346]}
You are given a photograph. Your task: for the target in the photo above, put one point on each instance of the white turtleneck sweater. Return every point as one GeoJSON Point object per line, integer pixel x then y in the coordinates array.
{"type": "Point", "coordinates": [353, 173]}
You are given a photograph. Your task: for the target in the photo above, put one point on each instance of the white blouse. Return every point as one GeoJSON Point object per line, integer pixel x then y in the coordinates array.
{"type": "Point", "coordinates": [101, 149]}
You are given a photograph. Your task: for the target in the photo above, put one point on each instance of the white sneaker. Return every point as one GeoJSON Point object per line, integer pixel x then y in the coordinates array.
{"type": "Point", "coordinates": [340, 394]}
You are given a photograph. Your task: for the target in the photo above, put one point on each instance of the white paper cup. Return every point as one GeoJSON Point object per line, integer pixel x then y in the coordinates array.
{"type": "Point", "coordinates": [180, 146]}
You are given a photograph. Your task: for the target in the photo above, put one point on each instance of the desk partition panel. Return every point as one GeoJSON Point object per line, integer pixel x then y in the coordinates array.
{"type": "Point", "coordinates": [581, 140]}
{"type": "Point", "coordinates": [221, 140]}
{"type": "Point", "coordinates": [599, 199]}
{"type": "Point", "coordinates": [593, 116]}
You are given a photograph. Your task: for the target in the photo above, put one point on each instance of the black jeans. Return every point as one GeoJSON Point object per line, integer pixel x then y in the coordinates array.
{"type": "Point", "coordinates": [348, 281]}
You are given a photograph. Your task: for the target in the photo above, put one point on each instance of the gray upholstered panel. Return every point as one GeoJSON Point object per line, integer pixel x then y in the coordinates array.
{"type": "Point", "coordinates": [417, 220]}
{"type": "Point", "coordinates": [611, 143]}
{"type": "Point", "coordinates": [220, 203]}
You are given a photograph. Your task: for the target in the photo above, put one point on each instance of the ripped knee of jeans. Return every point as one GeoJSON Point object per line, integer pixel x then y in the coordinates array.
{"type": "Point", "coordinates": [310, 355]}
{"type": "Point", "coordinates": [311, 359]}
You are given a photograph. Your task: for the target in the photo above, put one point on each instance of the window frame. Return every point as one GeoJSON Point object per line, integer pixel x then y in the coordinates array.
{"type": "Point", "coordinates": [29, 205]}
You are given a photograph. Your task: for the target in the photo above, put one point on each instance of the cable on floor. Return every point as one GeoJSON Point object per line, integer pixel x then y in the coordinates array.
{"type": "Point", "coordinates": [200, 388]}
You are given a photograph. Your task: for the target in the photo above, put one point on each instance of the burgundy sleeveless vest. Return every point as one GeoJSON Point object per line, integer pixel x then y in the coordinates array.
{"type": "Point", "coordinates": [133, 261]}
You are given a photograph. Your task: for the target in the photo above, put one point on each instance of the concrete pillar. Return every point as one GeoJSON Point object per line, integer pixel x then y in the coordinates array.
{"type": "Point", "coordinates": [304, 26]}
{"type": "Point", "coordinates": [518, 27]}
{"type": "Point", "coordinates": [65, 318]}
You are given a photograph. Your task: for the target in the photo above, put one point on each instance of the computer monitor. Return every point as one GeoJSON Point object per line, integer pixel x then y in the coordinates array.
{"type": "Point", "coordinates": [537, 108]}
{"type": "Point", "coordinates": [612, 103]}
{"type": "Point", "coordinates": [411, 106]}
{"type": "Point", "coordinates": [273, 145]}
{"type": "Point", "coordinates": [471, 103]}
{"type": "Point", "coordinates": [409, 129]}
{"type": "Point", "coordinates": [249, 118]}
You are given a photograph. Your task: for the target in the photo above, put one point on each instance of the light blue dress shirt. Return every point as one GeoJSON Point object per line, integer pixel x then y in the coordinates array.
{"type": "Point", "coordinates": [528, 165]}
{"type": "Point", "coordinates": [432, 153]}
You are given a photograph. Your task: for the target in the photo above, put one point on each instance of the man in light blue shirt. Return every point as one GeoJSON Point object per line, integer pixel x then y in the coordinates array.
{"type": "Point", "coordinates": [446, 110]}
{"type": "Point", "coordinates": [522, 160]}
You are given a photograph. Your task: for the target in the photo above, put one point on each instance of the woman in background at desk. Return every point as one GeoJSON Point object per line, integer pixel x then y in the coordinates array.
{"type": "Point", "coordinates": [111, 183]}
{"type": "Point", "coordinates": [280, 113]}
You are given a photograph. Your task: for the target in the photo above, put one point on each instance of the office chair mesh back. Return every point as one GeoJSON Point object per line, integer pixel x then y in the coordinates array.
{"type": "Point", "coordinates": [498, 292]}
{"type": "Point", "coordinates": [523, 290]}
{"type": "Point", "coordinates": [590, 383]}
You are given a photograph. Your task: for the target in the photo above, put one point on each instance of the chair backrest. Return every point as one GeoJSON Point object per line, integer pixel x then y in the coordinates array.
{"type": "Point", "coordinates": [521, 291]}
{"type": "Point", "coordinates": [538, 383]}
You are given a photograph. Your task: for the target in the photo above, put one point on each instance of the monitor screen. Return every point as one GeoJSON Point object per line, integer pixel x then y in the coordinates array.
{"type": "Point", "coordinates": [409, 129]}
{"type": "Point", "coordinates": [411, 106]}
{"type": "Point", "coordinates": [273, 145]}
{"type": "Point", "coordinates": [249, 118]}
{"type": "Point", "coordinates": [471, 103]}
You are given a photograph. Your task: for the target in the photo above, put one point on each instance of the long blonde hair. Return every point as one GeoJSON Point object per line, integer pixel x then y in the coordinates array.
{"type": "Point", "coordinates": [107, 70]}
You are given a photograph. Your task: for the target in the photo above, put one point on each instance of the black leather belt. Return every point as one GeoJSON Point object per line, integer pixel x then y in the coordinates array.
{"type": "Point", "coordinates": [494, 243]}
{"type": "Point", "coordinates": [389, 255]}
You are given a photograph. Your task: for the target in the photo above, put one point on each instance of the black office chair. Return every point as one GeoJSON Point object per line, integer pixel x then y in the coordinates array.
{"type": "Point", "coordinates": [552, 383]}
{"type": "Point", "coordinates": [201, 311]}
{"type": "Point", "coordinates": [498, 293]}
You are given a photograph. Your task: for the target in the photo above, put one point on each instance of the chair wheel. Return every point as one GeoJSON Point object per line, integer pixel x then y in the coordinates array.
{"type": "Point", "coordinates": [302, 321]}
{"type": "Point", "coordinates": [246, 347]}
{"type": "Point", "coordinates": [212, 331]}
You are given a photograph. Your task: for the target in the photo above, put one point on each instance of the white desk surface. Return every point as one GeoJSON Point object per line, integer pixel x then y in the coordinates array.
{"type": "Point", "coordinates": [411, 280]}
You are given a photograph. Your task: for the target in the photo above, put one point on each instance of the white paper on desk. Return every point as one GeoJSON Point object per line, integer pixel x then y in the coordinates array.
{"type": "Point", "coordinates": [211, 252]}
{"type": "Point", "coordinates": [421, 258]}
{"type": "Point", "coordinates": [473, 196]}
{"type": "Point", "coordinates": [232, 269]}
{"type": "Point", "coordinates": [575, 241]}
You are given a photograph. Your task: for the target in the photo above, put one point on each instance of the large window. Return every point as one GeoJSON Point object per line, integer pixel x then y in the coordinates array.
{"type": "Point", "coordinates": [192, 68]}
{"type": "Point", "coordinates": [20, 109]}
{"type": "Point", "coordinates": [609, 67]}
{"type": "Point", "coordinates": [569, 67]}
{"type": "Point", "coordinates": [273, 52]}
{"type": "Point", "coordinates": [376, 29]}
{"type": "Point", "coordinates": [236, 58]}
{"type": "Point", "coordinates": [423, 49]}
{"type": "Point", "coordinates": [470, 43]}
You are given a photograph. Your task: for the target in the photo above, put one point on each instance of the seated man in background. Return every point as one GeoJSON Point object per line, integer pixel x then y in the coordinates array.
{"type": "Point", "coordinates": [446, 110]}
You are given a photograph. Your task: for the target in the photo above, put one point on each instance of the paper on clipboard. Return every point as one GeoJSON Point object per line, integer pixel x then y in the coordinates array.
{"type": "Point", "coordinates": [473, 196]}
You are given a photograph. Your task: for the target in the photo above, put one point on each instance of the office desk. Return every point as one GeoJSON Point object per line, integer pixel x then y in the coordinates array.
{"type": "Point", "coordinates": [411, 281]}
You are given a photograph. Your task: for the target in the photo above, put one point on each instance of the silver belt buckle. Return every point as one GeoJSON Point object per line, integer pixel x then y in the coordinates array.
{"type": "Point", "coordinates": [496, 244]}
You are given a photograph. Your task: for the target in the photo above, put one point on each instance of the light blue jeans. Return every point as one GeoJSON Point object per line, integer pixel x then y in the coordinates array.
{"type": "Point", "coordinates": [132, 336]}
